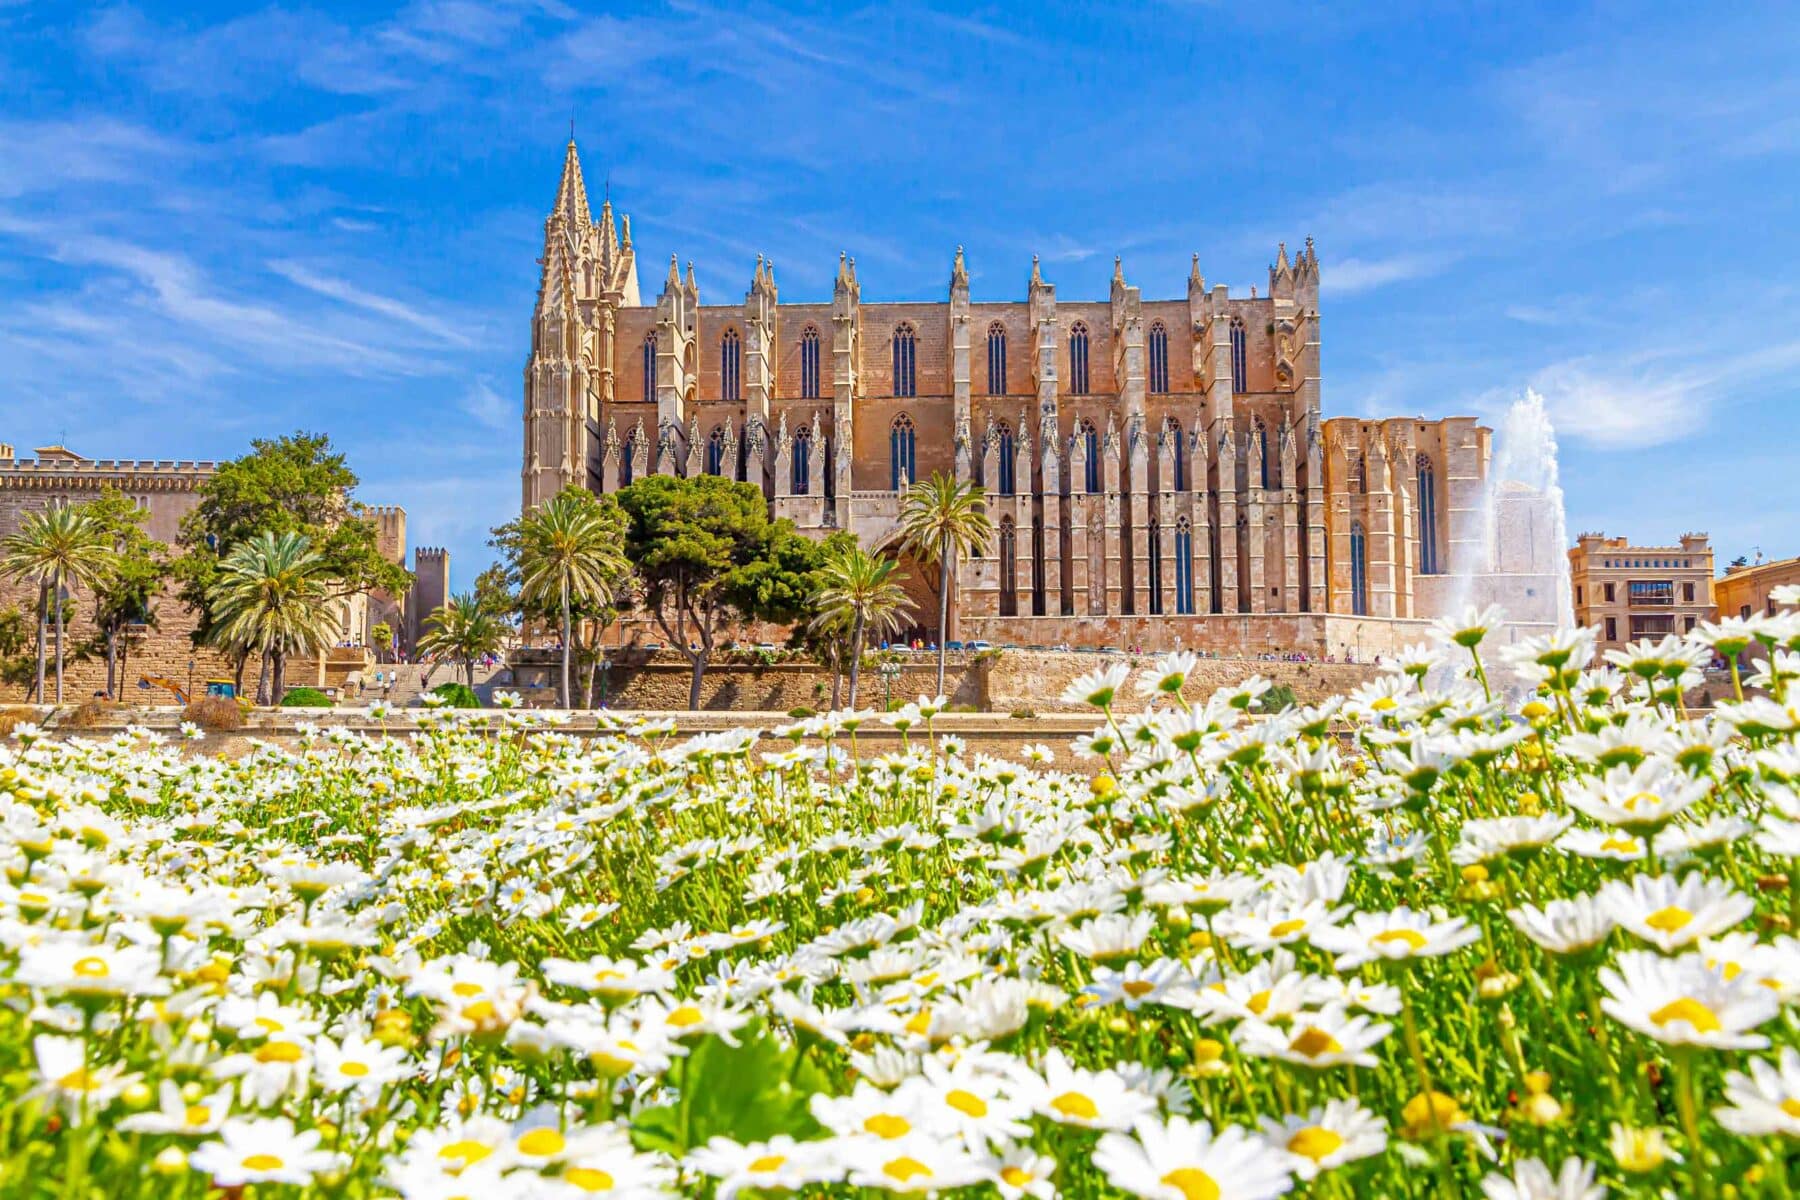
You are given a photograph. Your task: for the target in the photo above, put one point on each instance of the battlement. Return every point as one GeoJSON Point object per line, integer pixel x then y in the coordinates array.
{"type": "Point", "coordinates": [429, 552]}
{"type": "Point", "coordinates": [386, 510]}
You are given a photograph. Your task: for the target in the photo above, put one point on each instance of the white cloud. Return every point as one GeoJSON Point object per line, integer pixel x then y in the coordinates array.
{"type": "Point", "coordinates": [1349, 276]}
{"type": "Point", "coordinates": [486, 405]}
{"type": "Point", "coordinates": [356, 297]}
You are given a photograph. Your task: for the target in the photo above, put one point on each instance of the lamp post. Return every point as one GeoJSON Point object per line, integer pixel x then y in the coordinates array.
{"type": "Point", "coordinates": [890, 671]}
{"type": "Point", "coordinates": [190, 691]}
{"type": "Point", "coordinates": [605, 666]}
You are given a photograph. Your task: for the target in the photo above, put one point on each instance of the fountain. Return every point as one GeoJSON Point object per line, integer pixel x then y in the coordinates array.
{"type": "Point", "coordinates": [1515, 553]}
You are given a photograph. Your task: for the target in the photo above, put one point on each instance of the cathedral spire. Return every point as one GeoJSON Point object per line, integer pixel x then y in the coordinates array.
{"type": "Point", "coordinates": [959, 271]}
{"type": "Point", "coordinates": [1037, 274]}
{"type": "Point", "coordinates": [1196, 282]}
{"type": "Point", "coordinates": [571, 193]}
{"type": "Point", "coordinates": [673, 282]}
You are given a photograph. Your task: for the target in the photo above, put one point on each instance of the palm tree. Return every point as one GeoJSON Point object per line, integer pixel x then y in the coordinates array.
{"type": "Point", "coordinates": [859, 591]}
{"type": "Point", "coordinates": [464, 629]}
{"type": "Point", "coordinates": [942, 519]}
{"type": "Point", "coordinates": [271, 597]}
{"type": "Point", "coordinates": [59, 547]}
{"type": "Point", "coordinates": [567, 555]}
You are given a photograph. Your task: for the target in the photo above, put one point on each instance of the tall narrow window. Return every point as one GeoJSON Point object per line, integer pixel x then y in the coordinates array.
{"type": "Point", "coordinates": [906, 346]}
{"type": "Point", "coordinates": [1262, 450]}
{"type": "Point", "coordinates": [1078, 359]}
{"type": "Point", "coordinates": [809, 364]}
{"type": "Point", "coordinates": [1428, 530]}
{"type": "Point", "coordinates": [1159, 358]}
{"type": "Point", "coordinates": [627, 459]}
{"type": "Point", "coordinates": [1090, 446]}
{"type": "Point", "coordinates": [1155, 539]}
{"type": "Point", "coordinates": [996, 359]}
{"type": "Point", "coordinates": [1177, 454]}
{"type": "Point", "coordinates": [1184, 566]}
{"type": "Point", "coordinates": [1009, 567]}
{"type": "Point", "coordinates": [901, 450]}
{"type": "Point", "coordinates": [650, 368]}
{"type": "Point", "coordinates": [801, 459]}
{"type": "Point", "coordinates": [1359, 473]}
{"type": "Point", "coordinates": [1359, 570]}
{"type": "Point", "coordinates": [715, 451]}
{"type": "Point", "coordinates": [1240, 359]}
{"type": "Point", "coordinates": [731, 359]}
{"type": "Point", "coordinates": [1003, 450]}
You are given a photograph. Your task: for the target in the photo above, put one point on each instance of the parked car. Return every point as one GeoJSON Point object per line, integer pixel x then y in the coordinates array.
{"type": "Point", "coordinates": [976, 646]}
{"type": "Point", "coordinates": [953, 645]}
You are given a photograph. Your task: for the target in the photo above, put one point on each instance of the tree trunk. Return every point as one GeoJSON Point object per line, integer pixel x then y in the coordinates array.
{"type": "Point", "coordinates": [856, 640]}
{"type": "Point", "coordinates": [567, 648]}
{"type": "Point", "coordinates": [43, 646]}
{"type": "Point", "coordinates": [699, 661]}
{"type": "Point", "coordinates": [469, 670]}
{"type": "Point", "coordinates": [262, 680]}
{"type": "Point", "coordinates": [946, 572]}
{"type": "Point", "coordinates": [837, 677]}
{"type": "Point", "coordinates": [277, 675]}
{"type": "Point", "coordinates": [112, 661]}
{"type": "Point", "coordinates": [593, 681]}
{"type": "Point", "coordinates": [56, 599]}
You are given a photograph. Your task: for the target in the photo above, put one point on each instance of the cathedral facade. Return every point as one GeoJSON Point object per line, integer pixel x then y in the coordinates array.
{"type": "Point", "coordinates": [1159, 472]}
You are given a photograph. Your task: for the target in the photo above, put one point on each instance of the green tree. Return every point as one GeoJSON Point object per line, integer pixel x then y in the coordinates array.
{"type": "Point", "coordinates": [706, 554]}
{"type": "Point", "coordinates": [860, 593]}
{"type": "Point", "coordinates": [382, 634]}
{"type": "Point", "coordinates": [295, 484]}
{"type": "Point", "coordinates": [568, 556]}
{"type": "Point", "coordinates": [125, 596]}
{"type": "Point", "coordinates": [60, 548]}
{"type": "Point", "coordinates": [942, 519]}
{"type": "Point", "coordinates": [465, 631]}
{"type": "Point", "coordinates": [271, 596]}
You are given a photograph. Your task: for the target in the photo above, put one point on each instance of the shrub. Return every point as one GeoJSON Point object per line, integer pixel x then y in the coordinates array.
{"type": "Point", "coordinates": [15, 715]}
{"type": "Point", "coordinates": [1277, 698]}
{"type": "Point", "coordinates": [800, 713]}
{"type": "Point", "coordinates": [214, 713]}
{"type": "Point", "coordinates": [305, 697]}
{"type": "Point", "coordinates": [1024, 714]}
{"type": "Point", "coordinates": [456, 695]}
{"type": "Point", "coordinates": [89, 714]}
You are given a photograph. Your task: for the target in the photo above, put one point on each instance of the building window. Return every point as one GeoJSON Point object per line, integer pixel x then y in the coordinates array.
{"type": "Point", "coordinates": [1687, 623]}
{"type": "Point", "coordinates": [1359, 474]}
{"type": "Point", "coordinates": [996, 359]}
{"type": "Point", "coordinates": [906, 346]}
{"type": "Point", "coordinates": [802, 461]}
{"type": "Point", "coordinates": [1159, 358]}
{"type": "Point", "coordinates": [901, 448]}
{"type": "Point", "coordinates": [731, 361]}
{"type": "Point", "coordinates": [1240, 361]}
{"type": "Point", "coordinates": [650, 367]}
{"type": "Point", "coordinates": [1184, 566]}
{"type": "Point", "coordinates": [1009, 567]}
{"type": "Point", "coordinates": [1612, 629]}
{"type": "Point", "coordinates": [809, 364]}
{"type": "Point", "coordinates": [1177, 454]}
{"type": "Point", "coordinates": [715, 451]}
{"type": "Point", "coordinates": [1687, 593]}
{"type": "Point", "coordinates": [1156, 602]}
{"type": "Point", "coordinates": [1078, 359]}
{"type": "Point", "coordinates": [1428, 521]}
{"type": "Point", "coordinates": [1606, 589]}
{"type": "Point", "coordinates": [1090, 447]}
{"type": "Point", "coordinates": [1578, 600]}
{"type": "Point", "coordinates": [1359, 570]}
{"type": "Point", "coordinates": [1004, 482]}
{"type": "Point", "coordinates": [627, 459]}
{"type": "Point", "coordinates": [1656, 593]}
{"type": "Point", "coordinates": [1262, 450]}
{"type": "Point", "coordinates": [1652, 625]}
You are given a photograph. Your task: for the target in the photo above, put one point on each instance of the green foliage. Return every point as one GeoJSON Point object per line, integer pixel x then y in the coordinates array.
{"type": "Point", "coordinates": [457, 695]}
{"type": "Point", "coordinates": [800, 712]}
{"type": "Point", "coordinates": [1278, 698]}
{"type": "Point", "coordinates": [750, 1092]}
{"type": "Point", "coordinates": [465, 631]}
{"type": "Point", "coordinates": [305, 697]}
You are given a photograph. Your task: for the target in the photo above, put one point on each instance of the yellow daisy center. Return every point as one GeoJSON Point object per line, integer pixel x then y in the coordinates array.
{"type": "Point", "coordinates": [1193, 1183]}
{"type": "Point", "coordinates": [1313, 1042]}
{"type": "Point", "coordinates": [1315, 1142]}
{"type": "Point", "coordinates": [468, 1152]}
{"type": "Point", "coordinates": [356, 1070]}
{"type": "Point", "coordinates": [542, 1143]}
{"type": "Point", "coordinates": [1670, 919]}
{"type": "Point", "coordinates": [263, 1162]}
{"type": "Point", "coordinates": [1287, 928]}
{"type": "Point", "coordinates": [887, 1125]}
{"type": "Point", "coordinates": [1074, 1104]}
{"type": "Point", "coordinates": [1791, 1108]}
{"type": "Point", "coordinates": [768, 1162]}
{"type": "Point", "coordinates": [465, 990]}
{"type": "Point", "coordinates": [1259, 1003]}
{"type": "Point", "coordinates": [967, 1102]}
{"type": "Point", "coordinates": [1413, 939]}
{"type": "Point", "coordinates": [1619, 845]}
{"type": "Point", "coordinates": [1138, 988]}
{"type": "Point", "coordinates": [589, 1179]}
{"type": "Point", "coordinates": [685, 1016]}
{"type": "Point", "coordinates": [284, 1052]}
{"type": "Point", "coordinates": [1015, 1176]}
{"type": "Point", "coordinates": [1702, 1018]}
{"type": "Point", "coordinates": [91, 968]}
{"type": "Point", "coordinates": [905, 1168]}
{"type": "Point", "coordinates": [197, 1114]}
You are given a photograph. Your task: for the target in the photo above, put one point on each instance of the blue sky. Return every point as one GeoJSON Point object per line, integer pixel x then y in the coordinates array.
{"type": "Point", "coordinates": [219, 221]}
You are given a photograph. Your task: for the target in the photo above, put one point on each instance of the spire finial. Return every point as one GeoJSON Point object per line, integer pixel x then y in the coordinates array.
{"type": "Point", "coordinates": [959, 271]}
{"type": "Point", "coordinates": [1037, 275]}
{"type": "Point", "coordinates": [1118, 269]}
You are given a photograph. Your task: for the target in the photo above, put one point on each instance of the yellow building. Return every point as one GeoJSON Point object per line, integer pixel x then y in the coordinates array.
{"type": "Point", "coordinates": [1630, 592]}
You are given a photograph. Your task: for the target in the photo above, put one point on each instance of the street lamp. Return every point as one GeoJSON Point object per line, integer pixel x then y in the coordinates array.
{"type": "Point", "coordinates": [890, 671]}
{"type": "Point", "coordinates": [190, 691]}
{"type": "Point", "coordinates": [605, 666]}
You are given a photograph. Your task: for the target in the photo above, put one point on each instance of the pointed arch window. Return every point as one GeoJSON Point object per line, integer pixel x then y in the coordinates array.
{"type": "Point", "coordinates": [650, 368]}
{"type": "Point", "coordinates": [901, 450]}
{"type": "Point", "coordinates": [1009, 567]}
{"type": "Point", "coordinates": [1262, 450]}
{"type": "Point", "coordinates": [1240, 358]}
{"type": "Point", "coordinates": [996, 359]}
{"type": "Point", "coordinates": [1359, 473]}
{"type": "Point", "coordinates": [809, 364]}
{"type": "Point", "coordinates": [1428, 518]}
{"type": "Point", "coordinates": [1177, 443]}
{"type": "Point", "coordinates": [1090, 448]}
{"type": "Point", "coordinates": [1359, 570]}
{"type": "Point", "coordinates": [715, 451]}
{"type": "Point", "coordinates": [1156, 579]}
{"type": "Point", "coordinates": [1184, 566]}
{"type": "Point", "coordinates": [627, 458]}
{"type": "Point", "coordinates": [906, 347]}
{"type": "Point", "coordinates": [731, 361]}
{"type": "Point", "coordinates": [800, 456]}
{"type": "Point", "coordinates": [1159, 358]}
{"type": "Point", "coordinates": [1005, 468]}
{"type": "Point", "coordinates": [1078, 359]}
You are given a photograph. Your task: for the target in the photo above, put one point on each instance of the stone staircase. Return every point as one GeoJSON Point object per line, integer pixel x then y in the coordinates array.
{"type": "Point", "coordinates": [416, 679]}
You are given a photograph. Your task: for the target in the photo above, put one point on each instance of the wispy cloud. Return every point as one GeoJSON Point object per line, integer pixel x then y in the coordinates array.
{"type": "Point", "coordinates": [1349, 276]}
{"type": "Point", "coordinates": [351, 294]}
